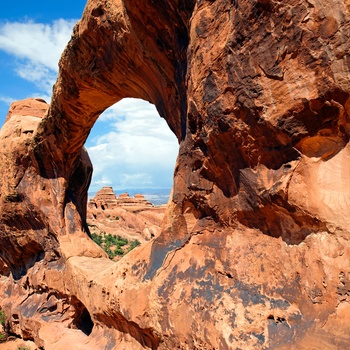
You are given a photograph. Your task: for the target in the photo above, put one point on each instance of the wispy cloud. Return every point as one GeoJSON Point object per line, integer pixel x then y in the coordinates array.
{"type": "Point", "coordinates": [6, 99]}
{"type": "Point", "coordinates": [37, 48]}
{"type": "Point", "coordinates": [39, 43]}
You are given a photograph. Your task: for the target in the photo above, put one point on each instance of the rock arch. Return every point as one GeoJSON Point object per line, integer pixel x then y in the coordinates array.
{"type": "Point", "coordinates": [130, 61]}
{"type": "Point", "coordinates": [255, 241]}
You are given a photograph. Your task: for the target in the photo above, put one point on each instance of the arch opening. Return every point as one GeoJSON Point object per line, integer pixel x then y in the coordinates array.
{"type": "Point", "coordinates": [133, 150]}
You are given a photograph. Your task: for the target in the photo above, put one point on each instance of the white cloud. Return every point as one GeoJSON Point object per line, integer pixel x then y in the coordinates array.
{"type": "Point", "coordinates": [6, 99]}
{"type": "Point", "coordinates": [138, 151]}
{"type": "Point", "coordinates": [39, 43]}
{"type": "Point", "coordinates": [37, 47]}
{"type": "Point", "coordinates": [41, 76]}
{"type": "Point", "coordinates": [103, 181]}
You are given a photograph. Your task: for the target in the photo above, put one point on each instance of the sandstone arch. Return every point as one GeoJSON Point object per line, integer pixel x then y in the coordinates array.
{"type": "Point", "coordinates": [254, 251]}
{"type": "Point", "coordinates": [153, 70]}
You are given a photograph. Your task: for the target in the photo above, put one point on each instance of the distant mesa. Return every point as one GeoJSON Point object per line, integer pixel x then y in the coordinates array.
{"type": "Point", "coordinates": [105, 198]}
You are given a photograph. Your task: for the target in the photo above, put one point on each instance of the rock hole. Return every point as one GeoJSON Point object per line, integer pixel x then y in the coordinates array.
{"type": "Point", "coordinates": [97, 12]}
{"type": "Point", "coordinates": [278, 320]}
{"type": "Point", "coordinates": [133, 150]}
{"type": "Point", "coordinates": [84, 322]}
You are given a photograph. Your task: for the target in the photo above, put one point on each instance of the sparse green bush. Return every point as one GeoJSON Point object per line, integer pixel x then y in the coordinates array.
{"type": "Point", "coordinates": [2, 318]}
{"type": "Point", "coordinates": [107, 242]}
{"type": "Point", "coordinates": [109, 252]}
{"type": "Point", "coordinates": [133, 244]}
{"type": "Point", "coordinates": [122, 241]}
{"type": "Point", "coordinates": [119, 251]}
{"type": "Point", "coordinates": [2, 337]}
{"type": "Point", "coordinates": [117, 217]}
{"type": "Point", "coordinates": [97, 239]}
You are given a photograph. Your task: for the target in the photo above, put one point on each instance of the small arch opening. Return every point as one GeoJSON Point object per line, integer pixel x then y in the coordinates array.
{"type": "Point", "coordinates": [83, 320]}
{"type": "Point", "coordinates": [133, 150]}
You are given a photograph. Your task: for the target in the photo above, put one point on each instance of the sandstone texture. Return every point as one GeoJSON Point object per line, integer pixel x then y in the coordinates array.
{"type": "Point", "coordinates": [253, 251]}
{"type": "Point", "coordinates": [104, 198]}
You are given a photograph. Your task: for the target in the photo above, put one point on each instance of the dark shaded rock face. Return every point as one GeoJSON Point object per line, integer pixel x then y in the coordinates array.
{"type": "Point", "coordinates": [254, 250]}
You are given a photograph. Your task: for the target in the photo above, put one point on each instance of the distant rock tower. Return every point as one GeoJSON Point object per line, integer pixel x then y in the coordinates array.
{"type": "Point", "coordinates": [105, 199]}
{"type": "Point", "coordinates": [125, 200]}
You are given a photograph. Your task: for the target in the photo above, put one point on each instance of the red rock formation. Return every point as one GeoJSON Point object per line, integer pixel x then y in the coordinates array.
{"type": "Point", "coordinates": [104, 198]}
{"type": "Point", "coordinates": [124, 200]}
{"type": "Point", "coordinates": [254, 248]}
{"type": "Point", "coordinates": [131, 218]}
{"type": "Point", "coordinates": [35, 108]}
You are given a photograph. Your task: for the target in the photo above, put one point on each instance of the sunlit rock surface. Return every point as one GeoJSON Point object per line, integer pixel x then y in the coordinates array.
{"type": "Point", "coordinates": [254, 248]}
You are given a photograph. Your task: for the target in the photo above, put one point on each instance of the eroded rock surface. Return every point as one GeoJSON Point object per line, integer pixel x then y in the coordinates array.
{"type": "Point", "coordinates": [254, 249]}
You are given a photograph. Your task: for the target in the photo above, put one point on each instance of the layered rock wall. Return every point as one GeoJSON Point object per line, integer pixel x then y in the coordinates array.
{"type": "Point", "coordinates": [104, 198]}
{"type": "Point", "coordinates": [254, 248]}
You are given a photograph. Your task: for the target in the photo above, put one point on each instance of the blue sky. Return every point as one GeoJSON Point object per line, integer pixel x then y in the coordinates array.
{"type": "Point", "coordinates": [130, 145]}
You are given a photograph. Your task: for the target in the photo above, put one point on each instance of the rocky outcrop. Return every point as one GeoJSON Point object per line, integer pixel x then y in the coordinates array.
{"type": "Point", "coordinates": [254, 250]}
{"type": "Point", "coordinates": [139, 200]}
{"type": "Point", "coordinates": [106, 198]}
{"type": "Point", "coordinates": [131, 218]}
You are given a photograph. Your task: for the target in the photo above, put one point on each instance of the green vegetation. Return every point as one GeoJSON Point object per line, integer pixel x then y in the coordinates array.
{"type": "Point", "coordinates": [114, 245]}
{"type": "Point", "coordinates": [133, 244]}
{"type": "Point", "coordinates": [3, 335]}
{"type": "Point", "coordinates": [117, 217]}
{"type": "Point", "coordinates": [2, 318]}
{"type": "Point", "coordinates": [23, 348]}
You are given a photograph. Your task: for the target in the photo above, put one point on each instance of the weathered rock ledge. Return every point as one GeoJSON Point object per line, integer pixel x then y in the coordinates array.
{"type": "Point", "coordinates": [254, 248]}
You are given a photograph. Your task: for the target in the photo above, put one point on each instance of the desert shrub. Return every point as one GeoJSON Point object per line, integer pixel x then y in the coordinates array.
{"type": "Point", "coordinates": [133, 244]}
{"type": "Point", "coordinates": [121, 241]}
{"type": "Point", "coordinates": [97, 239]}
{"type": "Point", "coordinates": [3, 335]}
{"type": "Point", "coordinates": [107, 244]}
{"type": "Point", "coordinates": [109, 252]}
{"type": "Point", "coordinates": [119, 251]}
{"type": "Point", "coordinates": [113, 244]}
{"type": "Point", "coordinates": [2, 318]}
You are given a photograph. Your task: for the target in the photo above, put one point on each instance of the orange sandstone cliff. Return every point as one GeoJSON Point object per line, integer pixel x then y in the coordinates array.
{"type": "Point", "coordinates": [254, 249]}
